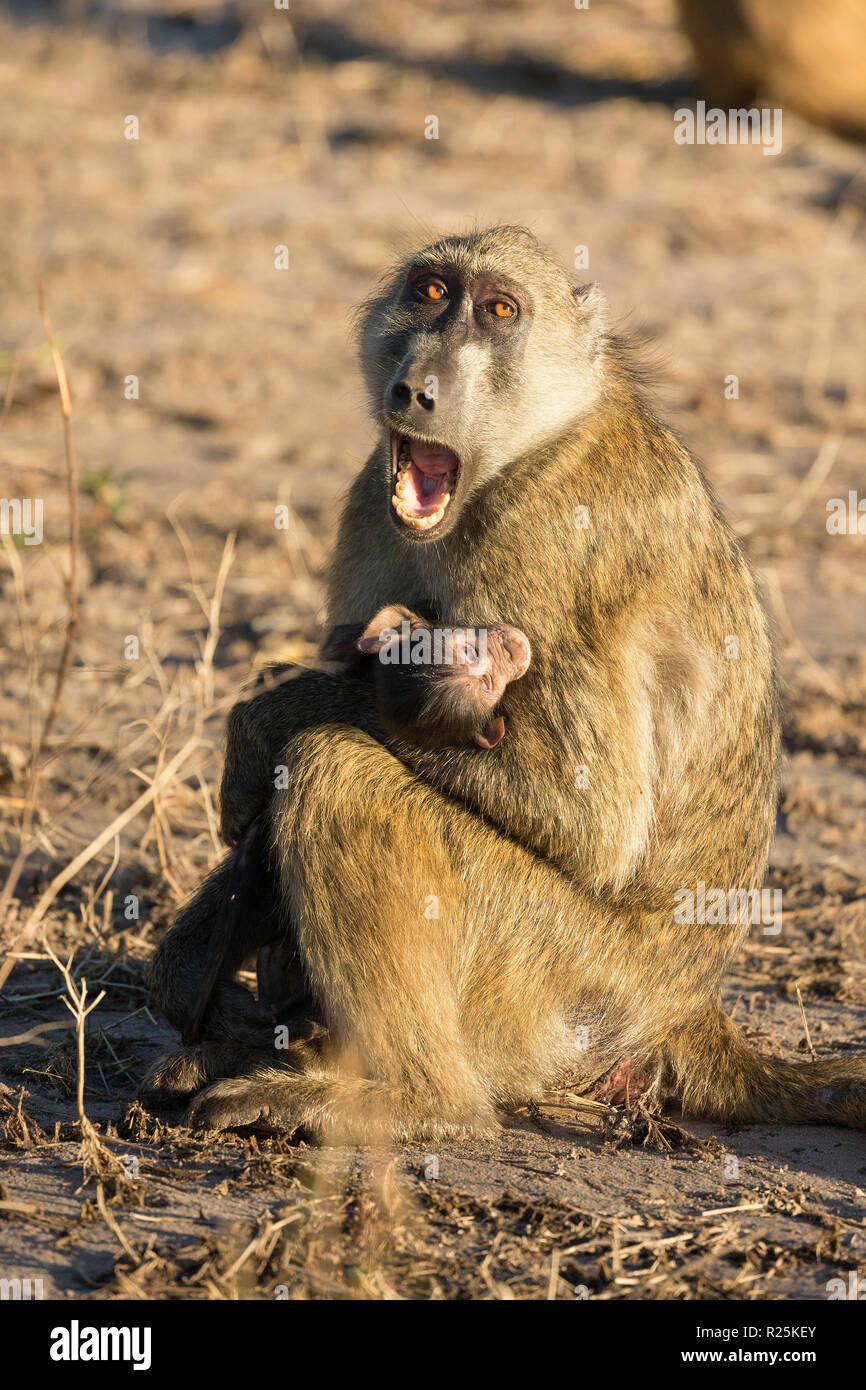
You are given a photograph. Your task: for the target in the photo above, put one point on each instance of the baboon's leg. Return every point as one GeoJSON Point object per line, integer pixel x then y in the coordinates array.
{"type": "Point", "coordinates": [456, 971]}
{"type": "Point", "coordinates": [235, 912]}
{"type": "Point", "coordinates": [190, 973]}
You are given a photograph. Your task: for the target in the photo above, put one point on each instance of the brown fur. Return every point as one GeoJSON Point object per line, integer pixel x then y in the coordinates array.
{"type": "Point", "coordinates": [479, 926]}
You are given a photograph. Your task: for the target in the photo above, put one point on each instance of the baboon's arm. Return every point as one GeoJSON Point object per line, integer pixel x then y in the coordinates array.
{"type": "Point", "coordinates": [524, 788]}
{"type": "Point", "coordinates": [576, 791]}
{"type": "Point", "coordinates": [596, 734]}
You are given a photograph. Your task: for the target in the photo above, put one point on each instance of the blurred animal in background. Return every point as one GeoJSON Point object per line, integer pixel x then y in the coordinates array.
{"type": "Point", "coordinates": [806, 54]}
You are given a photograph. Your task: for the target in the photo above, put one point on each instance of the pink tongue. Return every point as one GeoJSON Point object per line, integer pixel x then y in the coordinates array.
{"type": "Point", "coordinates": [431, 460]}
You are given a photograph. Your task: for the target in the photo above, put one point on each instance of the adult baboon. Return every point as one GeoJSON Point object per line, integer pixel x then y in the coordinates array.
{"type": "Point", "coordinates": [478, 925]}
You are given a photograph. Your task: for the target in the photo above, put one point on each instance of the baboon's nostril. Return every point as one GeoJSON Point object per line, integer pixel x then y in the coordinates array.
{"type": "Point", "coordinates": [400, 393]}
{"type": "Point", "coordinates": [428, 402]}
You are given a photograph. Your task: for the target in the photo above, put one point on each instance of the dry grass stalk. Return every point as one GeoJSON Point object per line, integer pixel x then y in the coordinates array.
{"type": "Point", "coordinates": [17, 1128]}
{"type": "Point", "coordinates": [98, 1162]}
{"type": "Point", "coordinates": [111, 1221]}
{"type": "Point", "coordinates": [101, 840]}
{"type": "Point", "coordinates": [828, 682]}
{"type": "Point", "coordinates": [210, 607]}
{"type": "Point", "coordinates": [812, 1053]}
{"type": "Point", "coordinates": [553, 1283]}
{"type": "Point", "coordinates": [808, 486]}
{"type": "Point", "coordinates": [643, 1125]}
{"type": "Point", "coordinates": [25, 832]}
{"type": "Point", "coordinates": [159, 836]}
{"type": "Point", "coordinates": [73, 619]}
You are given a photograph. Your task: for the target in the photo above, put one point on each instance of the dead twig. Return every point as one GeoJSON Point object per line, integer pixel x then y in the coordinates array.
{"type": "Point", "coordinates": [97, 1161]}
{"type": "Point", "coordinates": [73, 620]}
{"type": "Point", "coordinates": [812, 1053]}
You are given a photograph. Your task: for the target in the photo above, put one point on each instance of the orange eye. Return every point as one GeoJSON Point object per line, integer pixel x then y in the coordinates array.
{"type": "Point", "coordinates": [502, 309]}
{"type": "Point", "coordinates": [433, 289]}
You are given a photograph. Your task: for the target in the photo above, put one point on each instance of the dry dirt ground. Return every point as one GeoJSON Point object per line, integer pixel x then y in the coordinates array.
{"type": "Point", "coordinates": [259, 128]}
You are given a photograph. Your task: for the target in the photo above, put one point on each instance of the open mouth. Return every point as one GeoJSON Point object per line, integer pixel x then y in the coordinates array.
{"type": "Point", "coordinates": [424, 481]}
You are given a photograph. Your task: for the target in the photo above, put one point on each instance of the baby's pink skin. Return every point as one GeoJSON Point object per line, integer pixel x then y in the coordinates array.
{"type": "Point", "coordinates": [507, 659]}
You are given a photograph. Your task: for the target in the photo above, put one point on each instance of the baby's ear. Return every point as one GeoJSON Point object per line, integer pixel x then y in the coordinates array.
{"type": "Point", "coordinates": [382, 628]}
{"type": "Point", "coordinates": [492, 733]}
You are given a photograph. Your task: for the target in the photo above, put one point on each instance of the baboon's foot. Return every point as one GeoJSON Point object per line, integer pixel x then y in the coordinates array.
{"type": "Point", "coordinates": [180, 1074]}
{"type": "Point", "coordinates": [258, 1102]}
{"type": "Point", "coordinates": [624, 1083]}
{"type": "Point", "coordinates": [284, 1099]}
{"type": "Point", "coordinates": [330, 1108]}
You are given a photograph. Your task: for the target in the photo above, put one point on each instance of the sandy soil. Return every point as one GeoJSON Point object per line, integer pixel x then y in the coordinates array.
{"type": "Point", "coordinates": [260, 129]}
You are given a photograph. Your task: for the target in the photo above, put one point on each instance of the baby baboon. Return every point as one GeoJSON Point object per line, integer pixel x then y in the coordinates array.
{"type": "Point", "coordinates": [433, 688]}
{"type": "Point", "coordinates": [437, 687]}
{"type": "Point", "coordinates": [480, 925]}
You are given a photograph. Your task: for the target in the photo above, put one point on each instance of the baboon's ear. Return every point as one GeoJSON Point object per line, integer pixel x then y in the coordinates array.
{"type": "Point", "coordinates": [590, 298]}
{"type": "Point", "coordinates": [386, 621]}
{"type": "Point", "coordinates": [592, 304]}
{"type": "Point", "coordinates": [341, 643]}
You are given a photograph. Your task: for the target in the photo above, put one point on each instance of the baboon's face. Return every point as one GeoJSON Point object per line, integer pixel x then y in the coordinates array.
{"type": "Point", "coordinates": [477, 352]}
